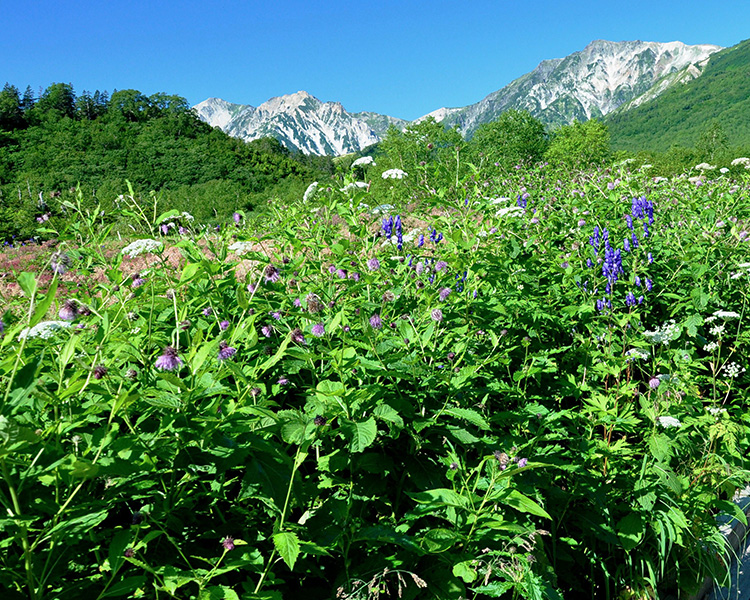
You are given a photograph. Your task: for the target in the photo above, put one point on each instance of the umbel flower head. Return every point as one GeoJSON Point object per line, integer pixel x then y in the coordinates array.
{"type": "Point", "coordinates": [168, 361]}
{"type": "Point", "coordinates": [146, 246]}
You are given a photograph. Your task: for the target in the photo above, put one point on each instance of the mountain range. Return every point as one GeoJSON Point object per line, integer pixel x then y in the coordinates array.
{"type": "Point", "coordinates": [604, 78]}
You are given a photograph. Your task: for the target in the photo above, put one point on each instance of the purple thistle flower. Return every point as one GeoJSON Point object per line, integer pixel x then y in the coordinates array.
{"type": "Point", "coordinates": [297, 336]}
{"type": "Point", "coordinates": [444, 293]}
{"type": "Point", "coordinates": [59, 263]}
{"type": "Point", "coordinates": [271, 274]}
{"type": "Point", "coordinates": [373, 264]}
{"type": "Point", "coordinates": [318, 330]}
{"type": "Point", "coordinates": [276, 315]}
{"type": "Point", "coordinates": [99, 372]}
{"type": "Point", "coordinates": [237, 217]}
{"type": "Point", "coordinates": [68, 311]}
{"type": "Point", "coordinates": [164, 229]}
{"type": "Point", "coordinates": [224, 325]}
{"type": "Point", "coordinates": [375, 321]}
{"type": "Point", "coordinates": [522, 462]}
{"type": "Point", "coordinates": [283, 381]}
{"type": "Point", "coordinates": [297, 302]}
{"type": "Point", "coordinates": [137, 281]}
{"type": "Point", "coordinates": [440, 265]}
{"type": "Point", "coordinates": [610, 185]}
{"type": "Point", "coordinates": [581, 222]}
{"type": "Point", "coordinates": [228, 542]}
{"type": "Point", "coordinates": [250, 288]}
{"type": "Point", "coordinates": [436, 315]}
{"type": "Point", "coordinates": [208, 311]}
{"type": "Point", "coordinates": [331, 269]}
{"type": "Point", "coordinates": [654, 383]}
{"type": "Point", "coordinates": [266, 330]}
{"type": "Point", "coordinates": [354, 276]}
{"type": "Point", "coordinates": [341, 273]}
{"type": "Point", "coordinates": [226, 351]}
{"type": "Point", "coordinates": [168, 361]}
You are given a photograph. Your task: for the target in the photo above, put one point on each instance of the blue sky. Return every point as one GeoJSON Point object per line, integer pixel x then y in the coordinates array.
{"type": "Point", "coordinates": [403, 58]}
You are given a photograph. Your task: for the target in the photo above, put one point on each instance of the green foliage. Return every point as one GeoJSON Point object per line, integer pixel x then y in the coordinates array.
{"type": "Point", "coordinates": [679, 115]}
{"type": "Point", "coordinates": [514, 138]}
{"type": "Point", "coordinates": [580, 144]}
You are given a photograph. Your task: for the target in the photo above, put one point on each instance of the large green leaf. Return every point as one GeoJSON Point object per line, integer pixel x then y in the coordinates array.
{"type": "Point", "coordinates": [287, 545]}
{"type": "Point", "coordinates": [360, 434]}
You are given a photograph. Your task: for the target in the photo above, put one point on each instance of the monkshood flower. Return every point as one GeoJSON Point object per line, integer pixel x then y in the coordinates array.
{"type": "Point", "coordinates": [139, 247]}
{"type": "Point", "coordinates": [399, 233]}
{"type": "Point", "coordinates": [364, 161]}
{"type": "Point", "coordinates": [387, 227]}
{"type": "Point", "coordinates": [435, 236]}
{"type": "Point", "coordinates": [226, 351]}
{"type": "Point", "coordinates": [168, 361]}
{"type": "Point", "coordinates": [420, 241]}
{"type": "Point", "coordinates": [310, 191]}
{"type": "Point", "coordinates": [393, 174]}
{"type": "Point", "coordinates": [2, 328]}
{"type": "Point", "coordinates": [43, 330]}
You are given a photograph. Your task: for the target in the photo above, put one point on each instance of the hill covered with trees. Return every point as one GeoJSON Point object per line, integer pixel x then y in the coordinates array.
{"type": "Point", "coordinates": [52, 143]}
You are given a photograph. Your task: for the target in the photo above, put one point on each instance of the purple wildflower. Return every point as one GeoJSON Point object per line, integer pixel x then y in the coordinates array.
{"type": "Point", "coordinates": [444, 293]}
{"type": "Point", "coordinates": [630, 299]}
{"type": "Point", "coordinates": [420, 241]}
{"type": "Point", "coordinates": [440, 265]}
{"type": "Point", "coordinates": [318, 330]}
{"type": "Point", "coordinates": [522, 462]}
{"type": "Point", "coordinates": [650, 258]}
{"type": "Point", "coordinates": [137, 281]}
{"type": "Point", "coordinates": [168, 361]}
{"type": "Point", "coordinates": [59, 262]}
{"type": "Point", "coordinates": [375, 321]}
{"type": "Point", "coordinates": [649, 284]}
{"type": "Point", "coordinates": [581, 222]}
{"type": "Point", "coordinates": [68, 311]}
{"type": "Point", "coordinates": [2, 328]}
{"type": "Point", "coordinates": [271, 274]}
{"type": "Point", "coordinates": [99, 372]}
{"type": "Point", "coordinates": [237, 217]}
{"type": "Point", "coordinates": [654, 383]}
{"type": "Point", "coordinates": [276, 315]}
{"type": "Point", "coordinates": [436, 315]}
{"type": "Point", "coordinates": [228, 542]}
{"type": "Point", "coordinates": [297, 336]}
{"type": "Point", "coordinates": [373, 264]}
{"type": "Point", "coordinates": [226, 351]}
{"type": "Point", "coordinates": [354, 276]}
{"type": "Point", "coordinates": [297, 302]}
{"type": "Point", "coordinates": [224, 325]}
{"type": "Point", "coordinates": [341, 273]}
{"type": "Point", "coordinates": [129, 553]}
{"type": "Point", "coordinates": [282, 381]}
{"type": "Point", "coordinates": [266, 330]}
{"type": "Point", "coordinates": [208, 311]}
{"type": "Point", "coordinates": [164, 229]}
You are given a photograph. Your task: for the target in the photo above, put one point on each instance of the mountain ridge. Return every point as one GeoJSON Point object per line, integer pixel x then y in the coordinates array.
{"type": "Point", "coordinates": [591, 83]}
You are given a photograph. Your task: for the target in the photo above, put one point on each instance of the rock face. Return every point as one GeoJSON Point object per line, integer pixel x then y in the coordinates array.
{"type": "Point", "coordinates": [299, 121]}
{"type": "Point", "coordinates": [603, 77]}
{"type": "Point", "coordinates": [591, 83]}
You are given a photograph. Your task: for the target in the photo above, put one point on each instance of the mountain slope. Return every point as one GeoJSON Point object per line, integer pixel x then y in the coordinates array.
{"type": "Point", "coordinates": [587, 84]}
{"type": "Point", "coordinates": [680, 114]}
{"type": "Point", "coordinates": [299, 121]}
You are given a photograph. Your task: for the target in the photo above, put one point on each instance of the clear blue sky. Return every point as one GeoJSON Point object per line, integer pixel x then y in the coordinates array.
{"type": "Point", "coordinates": [403, 58]}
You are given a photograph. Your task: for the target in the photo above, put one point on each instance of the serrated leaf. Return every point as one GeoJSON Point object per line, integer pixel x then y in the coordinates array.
{"type": "Point", "coordinates": [469, 415]}
{"type": "Point", "coordinates": [287, 545]}
{"type": "Point", "coordinates": [389, 414]}
{"type": "Point", "coordinates": [360, 434]}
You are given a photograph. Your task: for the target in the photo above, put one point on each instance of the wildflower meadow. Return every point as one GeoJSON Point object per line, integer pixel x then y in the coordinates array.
{"type": "Point", "coordinates": [436, 381]}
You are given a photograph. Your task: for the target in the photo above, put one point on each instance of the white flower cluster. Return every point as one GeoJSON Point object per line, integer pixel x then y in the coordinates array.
{"type": "Point", "coordinates": [393, 174]}
{"type": "Point", "coordinates": [704, 167]}
{"type": "Point", "coordinates": [726, 314]}
{"type": "Point", "coordinates": [364, 161]}
{"type": "Point", "coordinates": [43, 330]}
{"type": "Point", "coordinates": [733, 370]}
{"type": "Point", "coordinates": [723, 170]}
{"type": "Point", "coordinates": [637, 353]}
{"type": "Point", "coordinates": [354, 186]}
{"type": "Point", "coordinates": [744, 161]}
{"type": "Point", "coordinates": [663, 335]}
{"type": "Point", "coordinates": [668, 422]}
{"type": "Point", "coordinates": [715, 410]}
{"type": "Point", "coordinates": [717, 330]}
{"type": "Point", "coordinates": [187, 216]}
{"type": "Point", "coordinates": [241, 248]}
{"type": "Point", "coordinates": [744, 269]}
{"type": "Point", "coordinates": [142, 247]}
{"type": "Point", "coordinates": [510, 211]}
{"type": "Point", "coordinates": [310, 191]}
{"type": "Point", "coordinates": [710, 347]}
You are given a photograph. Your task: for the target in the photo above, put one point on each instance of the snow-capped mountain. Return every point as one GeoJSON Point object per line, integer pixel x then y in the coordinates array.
{"type": "Point", "coordinates": [299, 121]}
{"type": "Point", "coordinates": [603, 77]}
{"type": "Point", "coordinates": [587, 84]}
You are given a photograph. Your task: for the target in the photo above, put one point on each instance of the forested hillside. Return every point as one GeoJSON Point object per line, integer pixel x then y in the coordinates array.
{"type": "Point", "coordinates": [59, 140]}
{"type": "Point", "coordinates": [680, 116]}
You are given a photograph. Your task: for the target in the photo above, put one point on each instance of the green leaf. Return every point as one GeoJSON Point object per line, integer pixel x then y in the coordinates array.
{"type": "Point", "coordinates": [117, 549]}
{"type": "Point", "coordinates": [469, 415]}
{"type": "Point", "coordinates": [218, 592]}
{"type": "Point", "coordinates": [630, 530]}
{"type": "Point", "coordinates": [27, 283]}
{"type": "Point", "coordinates": [43, 306]}
{"type": "Point", "coordinates": [439, 497]}
{"type": "Point", "coordinates": [125, 586]}
{"type": "Point", "coordinates": [465, 571]}
{"type": "Point", "coordinates": [360, 434]}
{"type": "Point", "coordinates": [525, 504]}
{"type": "Point", "coordinates": [389, 414]}
{"type": "Point", "coordinates": [189, 272]}
{"type": "Point", "coordinates": [287, 545]}
{"type": "Point", "coordinates": [439, 539]}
